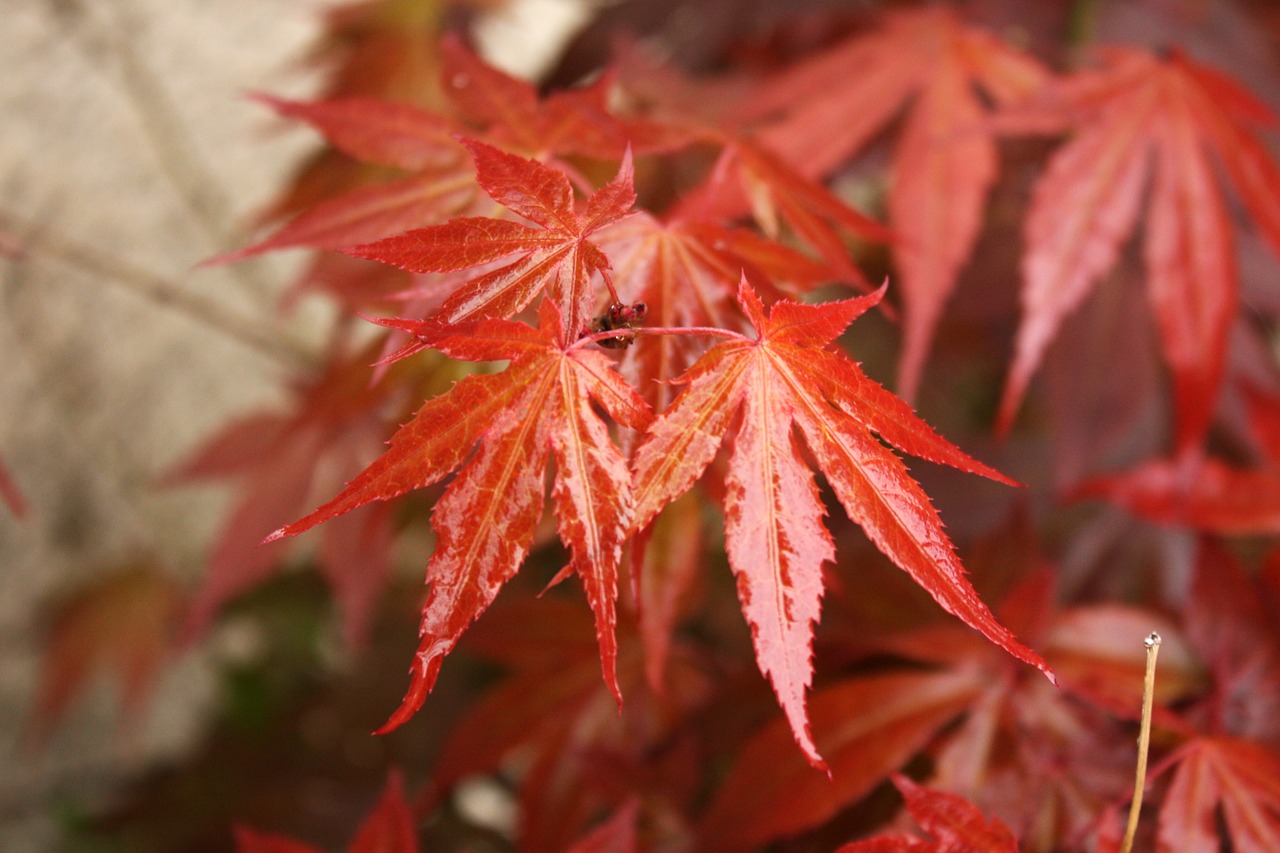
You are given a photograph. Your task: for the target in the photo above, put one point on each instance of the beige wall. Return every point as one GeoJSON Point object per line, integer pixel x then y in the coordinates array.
{"type": "Point", "coordinates": [123, 130]}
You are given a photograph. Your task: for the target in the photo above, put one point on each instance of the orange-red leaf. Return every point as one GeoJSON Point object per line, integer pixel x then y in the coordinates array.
{"type": "Point", "coordinates": [485, 521]}
{"type": "Point", "coordinates": [774, 534]}
{"type": "Point", "coordinates": [369, 213]}
{"type": "Point", "coordinates": [774, 191]}
{"type": "Point", "coordinates": [824, 111]}
{"type": "Point", "coordinates": [577, 121]}
{"type": "Point", "coordinates": [374, 131]}
{"type": "Point", "coordinates": [687, 273]}
{"type": "Point", "coordinates": [868, 727]}
{"type": "Point", "coordinates": [556, 257]}
{"type": "Point", "coordinates": [1173, 114]}
{"type": "Point", "coordinates": [953, 821]}
{"type": "Point", "coordinates": [1201, 494]}
{"type": "Point", "coordinates": [283, 461]}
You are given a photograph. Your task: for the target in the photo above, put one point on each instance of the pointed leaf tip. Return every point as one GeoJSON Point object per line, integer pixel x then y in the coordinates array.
{"type": "Point", "coordinates": [751, 303]}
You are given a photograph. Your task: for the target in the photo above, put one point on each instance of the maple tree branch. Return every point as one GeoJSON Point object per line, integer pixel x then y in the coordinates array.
{"type": "Point", "coordinates": [608, 282]}
{"type": "Point", "coordinates": [1144, 740]}
{"type": "Point", "coordinates": [163, 291]}
{"type": "Point", "coordinates": [647, 331]}
{"type": "Point", "coordinates": [653, 331]}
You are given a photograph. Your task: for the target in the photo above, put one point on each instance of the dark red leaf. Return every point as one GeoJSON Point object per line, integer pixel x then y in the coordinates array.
{"type": "Point", "coordinates": [389, 827]}
{"type": "Point", "coordinates": [867, 727]}
{"type": "Point", "coordinates": [954, 822]}
{"type": "Point", "coordinates": [1170, 113]}
{"type": "Point", "coordinates": [1202, 494]}
{"type": "Point", "coordinates": [1242, 778]}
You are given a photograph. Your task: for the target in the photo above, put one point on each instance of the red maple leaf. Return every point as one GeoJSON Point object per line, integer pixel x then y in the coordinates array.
{"type": "Point", "coordinates": [1170, 117]}
{"type": "Point", "coordinates": [573, 122]}
{"type": "Point", "coordinates": [540, 405]}
{"type": "Point", "coordinates": [1239, 779]}
{"type": "Point", "coordinates": [1232, 619]}
{"type": "Point", "coordinates": [687, 273]}
{"type": "Point", "coordinates": [825, 110]}
{"type": "Point", "coordinates": [1193, 492]}
{"type": "Point", "coordinates": [868, 727]}
{"type": "Point", "coordinates": [1047, 761]}
{"type": "Point", "coordinates": [552, 729]}
{"type": "Point", "coordinates": [424, 143]}
{"type": "Point", "coordinates": [955, 822]}
{"type": "Point", "coordinates": [388, 828]}
{"type": "Point", "coordinates": [1202, 492]}
{"type": "Point", "coordinates": [775, 538]}
{"type": "Point", "coordinates": [404, 137]}
{"type": "Point", "coordinates": [282, 460]}
{"type": "Point", "coordinates": [124, 625]}
{"type": "Point", "coordinates": [773, 191]}
{"type": "Point", "coordinates": [555, 254]}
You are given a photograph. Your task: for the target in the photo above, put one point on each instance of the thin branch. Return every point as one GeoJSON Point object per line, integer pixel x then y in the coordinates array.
{"type": "Point", "coordinates": [174, 145]}
{"type": "Point", "coordinates": [1144, 740]}
{"type": "Point", "coordinates": [654, 331]}
{"type": "Point", "coordinates": [265, 338]}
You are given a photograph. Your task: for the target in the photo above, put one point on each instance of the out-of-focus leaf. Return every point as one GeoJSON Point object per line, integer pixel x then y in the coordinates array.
{"type": "Point", "coordinates": [866, 728]}
{"type": "Point", "coordinates": [123, 625]}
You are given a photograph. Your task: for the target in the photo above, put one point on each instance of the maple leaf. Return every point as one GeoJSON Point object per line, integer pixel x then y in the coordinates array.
{"type": "Point", "coordinates": [552, 729]}
{"type": "Point", "coordinates": [556, 256]}
{"type": "Point", "coordinates": [1231, 618]}
{"type": "Point", "coordinates": [1039, 758]}
{"type": "Point", "coordinates": [388, 828]}
{"type": "Point", "coordinates": [1194, 492]}
{"type": "Point", "coordinates": [869, 726]}
{"type": "Point", "coordinates": [1168, 116]}
{"type": "Point", "coordinates": [425, 144]}
{"type": "Point", "coordinates": [281, 460]}
{"type": "Point", "coordinates": [577, 121]}
{"type": "Point", "coordinates": [1240, 778]}
{"type": "Point", "coordinates": [383, 49]}
{"type": "Point", "coordinates": [1204, 493]}
{"type": "Point", "coordinates": [540, 405]}
{"type": "Point", "coordinates": [669, 555]}
{"type": "Point", "coordinates": [826, 109]}
{"type": "Point", "coordinates": [773, 191]}
{"type": "Point", "coordinates": [396, 135]}
{"type": "Point", "coordinates": [956, 823]}
{"type": "Point", "coordinates": [687, 273]}
{"type": "Point", "coordinates": [123, 624]}
{"type": "Point", "coordinates": [775, 538]}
